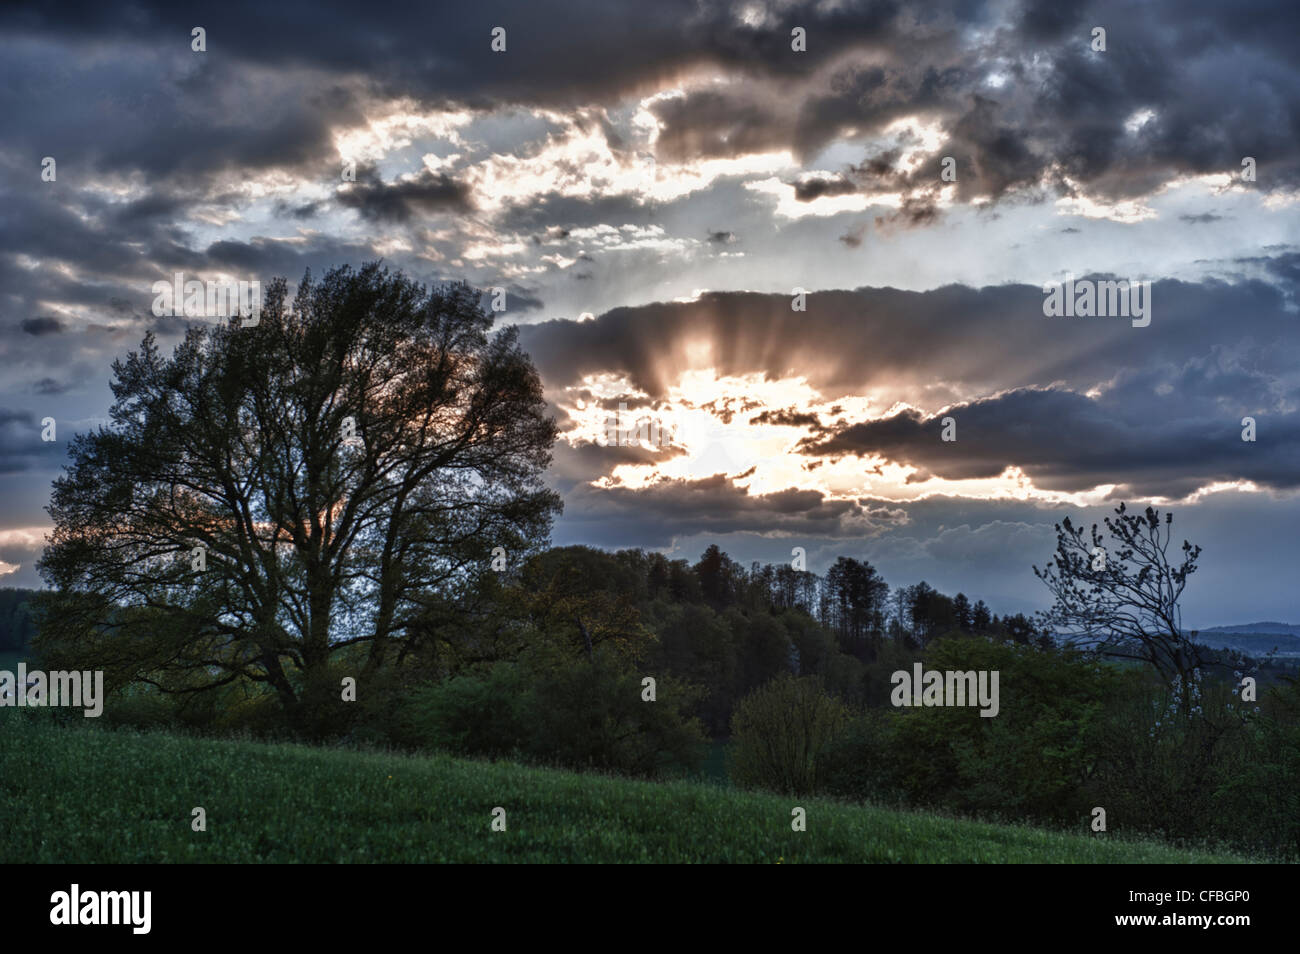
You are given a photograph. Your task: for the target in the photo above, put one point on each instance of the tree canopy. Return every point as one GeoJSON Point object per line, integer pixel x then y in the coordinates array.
{"type": "Point", "coordinates": [271, 495]}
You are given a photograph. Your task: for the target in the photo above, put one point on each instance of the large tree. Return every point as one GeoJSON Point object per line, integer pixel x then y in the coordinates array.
{"type": "Point", "coordinates": [1120, 594]}
{"type": "Point", "coordinates": [347, 468]}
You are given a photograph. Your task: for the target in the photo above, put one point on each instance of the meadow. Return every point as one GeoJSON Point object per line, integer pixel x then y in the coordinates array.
{"type": "Point", "coordinates": [74, 792]}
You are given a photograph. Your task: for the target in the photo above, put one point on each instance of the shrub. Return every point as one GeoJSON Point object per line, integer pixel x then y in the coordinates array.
{"type": "Point", "coordinates": [1032, 760]}
{"type": "Point", "coordinates": [592, 715]}
{"type": "Point", "coordinates": [780, 731]}
{"type": "Point", "coordinates": [470, 714]}
{"type": "Point", "coordinates": [1259, 803]}
{"type": "Point", "coordinates": [586, 714]}
{"type": "Point", "coordinates": [857, 763]}
{"type": "Point", "coordinates": [1158, 768]}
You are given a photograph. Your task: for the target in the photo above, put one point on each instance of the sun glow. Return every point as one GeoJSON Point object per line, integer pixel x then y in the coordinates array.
{"type": "Point", "coordinates": [748, 428]}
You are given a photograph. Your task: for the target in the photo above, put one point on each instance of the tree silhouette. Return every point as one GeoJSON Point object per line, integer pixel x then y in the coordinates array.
{"type": "Point", "coordinates": [346, 468]}
{"type": "Point", "coordinates": [1124, 598]}
{"type": "Point", "coordinates": [856, 600]}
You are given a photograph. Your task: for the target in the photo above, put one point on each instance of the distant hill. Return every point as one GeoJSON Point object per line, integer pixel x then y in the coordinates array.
{"type": "Point", "coordinates": [1254, 639]}
{"type": "Point", "coordinates": [1272, 629]}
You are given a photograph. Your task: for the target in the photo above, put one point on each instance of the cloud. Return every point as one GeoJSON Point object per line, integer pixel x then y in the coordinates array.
{"type": "Point", "coordinates": [20, 548]}
{"type": "Point", "coordinates": [655, 516]}
{"type": "Point", "coordinates": [1070, 442]}
{"type": "Point", "coordinates": [41, 326]}
{"type": "Point", "coordinates": [789, 417]}
{"type": "Point", "coordinates": [853, 237]}
{"type": "Point", "coordinates": [401, 201]}
{"type": "Point", "coordinates": [21, 446]}
{"type": "Point", "coordinates": [50, 386]}
{"type": "Point", "coordinates": [808, 189]}
{"type": "Point", "coordinates": [925, 348]}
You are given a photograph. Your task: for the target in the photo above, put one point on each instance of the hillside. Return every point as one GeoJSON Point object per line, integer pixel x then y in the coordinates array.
{"type": "Point", "coordinates": [1266, 627]}
{"type": "Point", "coordinates": [280, 803]}
{"type": "Point", "coordinates": [1254, 639]}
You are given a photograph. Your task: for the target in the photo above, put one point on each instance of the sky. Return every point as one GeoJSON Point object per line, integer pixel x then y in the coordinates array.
{"type": "Point", "coordinates": [759, 253]}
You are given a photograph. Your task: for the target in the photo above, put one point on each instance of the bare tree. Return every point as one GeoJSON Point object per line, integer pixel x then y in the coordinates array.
{"type": "Point", "coordinates": [1122, 599]}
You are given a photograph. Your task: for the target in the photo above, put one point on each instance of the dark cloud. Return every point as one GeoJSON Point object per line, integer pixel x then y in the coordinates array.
{"type": "Point", "coordinates": [41, 326]}
{"type": "Point", "coordinates": [656, 515]}
{"type": "Point", "coordinates": [1059, 116]}
{"type": "Point", "coordinates": [573, 465]}
{"type": "Point", "coordinates": [1060, 110]}
{"type": "Point", "coordinates": [307, 210]}
{"type": "Point", "coordinates": [519, 300]}
{"type": "Point", "coordinates": [264, 258]}
{"type": "Point", "coordinates": [853, 237]}
{"type": "Point", "coordinates": [1070, 442]}
{"type": "Point", "coordinates": [1285, 267]}
{"type": "Point", "coordinates": [788, 417]}
{"type": "Point", "coordinates": [716, 124]}
{"type": "Point", "coordinates": [401, 201]}
{"type": "Point", "coordinates": [145, 104]}
{"type": "Point", "coordinates": [557, 54]}
{"type": "Point", "coordinates": [193, 128]}
{"type": "Point", "coordinates": [931, 347]}
{"type": "Point", "coordinates": [915, 210]}
{"type": "Point", "coordinates": [50, 386]}
{"type": "Point", "coordinates": [21, 446]}
{"type": "Point", "coordinates": [814, 188]}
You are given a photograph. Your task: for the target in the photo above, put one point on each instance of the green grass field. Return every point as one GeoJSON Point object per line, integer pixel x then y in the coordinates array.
{"type": "Point", "coordinates": [83, 794]}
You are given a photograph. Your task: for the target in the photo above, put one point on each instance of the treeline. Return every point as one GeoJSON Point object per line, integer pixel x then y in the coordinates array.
{"type": "Point", "coordinates": [852, 599]}
{"type": "Point", "coordinates": [708, 632]}
{"type": "Point", "coordinates": [728, 629]}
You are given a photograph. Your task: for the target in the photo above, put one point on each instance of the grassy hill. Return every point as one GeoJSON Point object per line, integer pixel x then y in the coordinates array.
{"type": "Point", "coordinates": [84, 794]}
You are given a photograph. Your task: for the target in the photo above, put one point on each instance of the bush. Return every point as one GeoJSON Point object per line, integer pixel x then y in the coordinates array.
{"type": "Point", "coordinates": [1032, 760]}
{"type": "Point", "coordinates": [1226, 773]}
{"type": "Point", "coordinates": [139, 707]}
{"type": "Point", "coordinates": [471, 714]}
{"type": "Point", "coordinates": [1259, 803]}
{"type": "Point", "coordinates": [1155, 770]}
{"type": "Point", "coordinates": [780, 731]}
{"type": "Point", "coordinates": [592, 715]}
{"type": "Point", "coordinates": [587, 714]}
{"type": "Point", "coordinates": [857, 764]}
